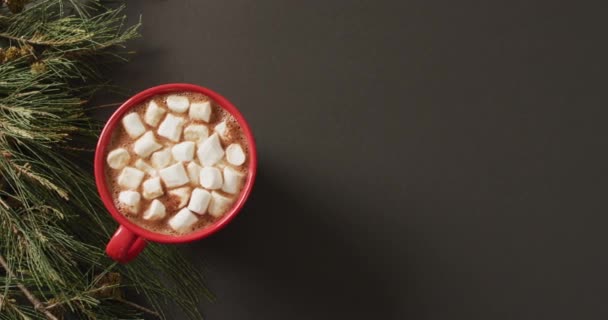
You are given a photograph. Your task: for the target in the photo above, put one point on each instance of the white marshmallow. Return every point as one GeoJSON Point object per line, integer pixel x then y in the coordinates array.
{"type": "Point", "coordinates": [145, 145]}
{"type": "Point", "coordinates": [152, 188]}
{"type": "Point", "coordinates": [145, 167]}
{"type": "Point", "coordinates": [194, 171]}
{"type": "Point", "coordinates": [118, 158]}
{"type": "Point", "coordinates": [153, 114]}
{"type": "Point", "coordinates": [210, 151]}
{"type": "Point", "coordinates": [133, 125]}
{"type": "Point", "coordinates": [211, 178]}
{"type": "Point", "coordinates": [219, 204]}
{"type": "Point", "coordinates": [232, 180]}
{"type": "Point", "coordinates": [130, 178]}
{"type": "Point", "coordinates": [178, 104]}
{"type": "Point", "coordinates": [200, 111]}
{"type": "Point", "coordinates": [196, 132]}
{"type": "Point", "coordinates": [220, 165]}
{"type": "Point", "coordinates": [183, 220]}
{"type": "Point", "coordinates": [182, 195]}
{"type": "Point", "coordinates": [130, 199]}
{"type": "Point", "coordinates": [155, 211]}
{"type": "Point", "coordinates": [171, 127]}
{"type": "Point", "coordinates": [235, 154]}
{"type": "Point", "coordinates": [161, 159]}
{"type": "Point", "coordinates": [174, 176]}
{"type": "Point", "coordinates": [221, 128]}
{"type": "Point", "coordinates": [183, 151]}
{"type": "Point", "coordinates": [199, 201]}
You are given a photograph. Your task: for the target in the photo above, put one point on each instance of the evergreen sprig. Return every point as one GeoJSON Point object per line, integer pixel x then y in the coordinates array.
{"type": "Point", "coordinates": [53, 227]}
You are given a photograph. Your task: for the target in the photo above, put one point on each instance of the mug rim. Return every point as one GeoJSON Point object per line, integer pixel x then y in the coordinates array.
{"type": "Point", "coordinates": [106, 135]}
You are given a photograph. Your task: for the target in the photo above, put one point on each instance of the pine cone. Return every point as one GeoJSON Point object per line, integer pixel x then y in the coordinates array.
{"type": "Point", "coordinates": [38, 67]}
{"type": "Point", "coordinates": [25, 50]}
{"type": "Point", "coordinates": [16, 6]}
{"type": "Point", "coordinates": [109, 286]}
{"type": "Point", "coordinates": [55, 307]}
{"type": "Point", "coordinates": [2, 55]}
{"type": "Point", "coordinates": [11, 53]}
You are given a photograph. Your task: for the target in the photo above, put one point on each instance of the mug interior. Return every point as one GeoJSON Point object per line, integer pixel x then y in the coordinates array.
{"type": "Point", "coordinates": [105, 139]}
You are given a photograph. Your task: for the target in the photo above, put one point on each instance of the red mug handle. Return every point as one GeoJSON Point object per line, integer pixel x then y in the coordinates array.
{"type": "Point", "coordinates": [125, 245]}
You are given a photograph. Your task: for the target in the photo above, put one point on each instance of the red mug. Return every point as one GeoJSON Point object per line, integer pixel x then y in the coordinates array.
{"type": "Point", "coordinates": [130, 239]}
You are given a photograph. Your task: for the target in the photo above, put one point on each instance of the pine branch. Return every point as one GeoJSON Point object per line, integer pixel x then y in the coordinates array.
{"type": "Point", "coordinates": [35, 302]}
{"type": "Point", "coordinates": [34, 41]}
{"type": "Point", "coordinates": [52, 224]}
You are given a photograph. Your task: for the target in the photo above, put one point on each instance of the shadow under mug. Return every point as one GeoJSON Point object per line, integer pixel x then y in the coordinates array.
{"type": "Point", "coordinates": [130, 239]}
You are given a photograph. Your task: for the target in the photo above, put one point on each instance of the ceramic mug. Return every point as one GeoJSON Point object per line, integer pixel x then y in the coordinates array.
{"type": "Point", "coordinates": [130, 239]}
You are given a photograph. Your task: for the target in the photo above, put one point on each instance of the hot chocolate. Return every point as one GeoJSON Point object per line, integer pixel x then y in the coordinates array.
{"type": "Point", "coordinates": [176, 163]}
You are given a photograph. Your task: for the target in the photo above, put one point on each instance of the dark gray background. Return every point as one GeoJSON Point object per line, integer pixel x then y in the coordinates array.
{"type": "Point", "coordinates": [418, 159]}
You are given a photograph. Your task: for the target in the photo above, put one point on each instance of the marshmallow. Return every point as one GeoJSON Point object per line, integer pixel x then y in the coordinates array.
{"type": "Point", "coordinates": [155, 211]}
{"type": "Point", "coordinates": [220, 165]}
{"type": "Point", "coordinates": [183, 220]}
{"type": "Point", "coordinates": [145, 167]}
{"type": "Point", "coordinates": [210, 151]}
{"type": "Point", "coordinates": [174, 176]}
{"type": "Point", "coordinates": [182, 195]}
{"type": "Point", "coordinates": [221, 128]}
{"type": "Point", "coordinates": [233, 180]}
{"type": "Point", "coordinates": [199, 201]}
{"type": "Point", "coordinates": [152, 188]}
{"type": "Point", "coordinates": [171, 127]}
{"type": "Point", "coordinates": [219, 204]}
{"type": "Point", "coordinates": [130, 178]}
{"type": "Point", "coordinates": [200, 111]}
{"type": "Point", "coordinates": [178, 104]}
{"type": "Point", "coordinates": [161, 159]}
{"type": "Point", "coordinates": [183, 151]}
{"type": "Point", "coordinates": [194, 171]}
{"type": "Point", "coordinates": [211, 178]}
{"type": "Point", "coordinates": [153, 114]}
{"type": "Point", "coordinates": [133, 125]}
{"type": "Point", "coordinates": [235, 154]}
{"type": "Point", "coordinates": [130, 199]}
{"type": "Point", "coordinates": [145, 145]}
{"type": "Point", "coordinates": [196, 133]}
{"type": "Point", "coordinates": [118, 158]}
